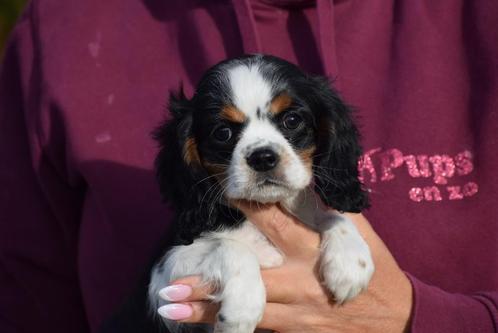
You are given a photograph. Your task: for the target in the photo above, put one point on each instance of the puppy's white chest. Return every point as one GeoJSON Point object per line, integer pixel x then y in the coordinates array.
{"type": "Point", "coordinates": [268, 255]}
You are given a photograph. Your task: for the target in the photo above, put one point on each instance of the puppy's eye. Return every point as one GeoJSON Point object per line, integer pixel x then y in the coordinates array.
{"type": "Point", "coordinates": [292, 121]}
{"type": "Point", "coordinates": [222, 134]}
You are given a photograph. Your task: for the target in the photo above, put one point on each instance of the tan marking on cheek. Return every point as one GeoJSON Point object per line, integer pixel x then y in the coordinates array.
{"type": "Point", "coordinates": [306, 156]}
{"type": "Point", "coordinates": [213, 168]}
{"type": "Point", "coordinates": [190, 153]}
{"type": "Point", "coordinates": [282, 165]}
{"type": "Point", "coordinates": [280, 103]}
{"type": "Point", "coordinates": [343, 231]}
{"type": "Point", "coordinates": [362, 263]}
{"type": "Point", "coordinates": [216, 170]}
{"type": "Point", "coordinates": [231, 113]}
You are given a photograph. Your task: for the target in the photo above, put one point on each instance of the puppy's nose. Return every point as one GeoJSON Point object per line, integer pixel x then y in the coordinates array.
{"type": "Point", "coordinates": [262, 159]}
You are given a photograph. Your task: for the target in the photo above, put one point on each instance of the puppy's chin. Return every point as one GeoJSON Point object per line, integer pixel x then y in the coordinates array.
{"type": "Point", "coordinates": [264, 193]}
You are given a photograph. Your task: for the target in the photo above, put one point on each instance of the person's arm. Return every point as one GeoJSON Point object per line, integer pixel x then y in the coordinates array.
{"type": "Point", "coordinates": [296, 301]}
{"type": "Point", "coordinates": [38, 207]}
{"type": "Point", "coordinates": [436, 310]}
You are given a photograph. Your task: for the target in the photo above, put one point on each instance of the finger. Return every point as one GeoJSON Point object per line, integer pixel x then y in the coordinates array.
{"type": "Point", "coordinates": [188, 289]}
{"type": "Point", "coordinates": [284, 230]}
{"type": "Point", "coordinates": [191, 288]}
{"type": "Point", "coordinates": [275, 317]}
{"type": "Point", "coordinates": [192, 312]}
{"type": "Point", "coordinates": [301, 285]}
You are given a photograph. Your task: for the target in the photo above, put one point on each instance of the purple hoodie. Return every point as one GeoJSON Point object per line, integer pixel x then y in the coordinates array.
{"type": "Point", "coordinates": [83, 84]}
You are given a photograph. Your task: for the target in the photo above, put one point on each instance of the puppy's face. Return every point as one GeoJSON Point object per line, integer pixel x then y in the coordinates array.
{"type": "Point", "coordinates": [254, 134]}
{"type": "Point", "coordinates": [257, 128]}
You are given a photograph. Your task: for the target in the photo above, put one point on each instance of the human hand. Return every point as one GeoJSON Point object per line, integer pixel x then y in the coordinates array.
{"type": "Point", "coordinates": [296, 299]}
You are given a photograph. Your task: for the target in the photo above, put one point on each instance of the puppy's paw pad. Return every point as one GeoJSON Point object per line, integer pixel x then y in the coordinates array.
{"type": "Point", "coordinates": [347, 275]}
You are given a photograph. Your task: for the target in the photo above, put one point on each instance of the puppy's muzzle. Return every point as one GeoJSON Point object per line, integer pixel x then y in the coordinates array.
{"type": "Point", "coordinates": [263, 159]}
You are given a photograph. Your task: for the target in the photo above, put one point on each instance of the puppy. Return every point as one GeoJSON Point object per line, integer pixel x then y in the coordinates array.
{"type": "Point", "coordinates": [257, 128]}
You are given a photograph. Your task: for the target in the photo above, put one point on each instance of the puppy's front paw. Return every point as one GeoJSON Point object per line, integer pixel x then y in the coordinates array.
{"type": "Point", "coordinates": [347, 274]}
{"type": "Point", "coordinates": [242, 297]}
{"type": "Point", "coordinates": [346, 263]}
{"type": "Point", "coordinates": [236, 319]}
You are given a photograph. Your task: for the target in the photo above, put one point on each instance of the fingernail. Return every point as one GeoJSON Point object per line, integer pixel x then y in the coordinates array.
{"type": "Point", "coordinates": [175, 292]}
{"type": "Point", "coordinates": [175, 311]}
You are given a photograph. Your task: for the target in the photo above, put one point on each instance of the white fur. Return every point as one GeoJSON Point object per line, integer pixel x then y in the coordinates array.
{"type": "Point", "coordinates": [346, 264]}
{"type": "Point", "coordinates": [250, 90]}
{"type": "Point", "coordinates": [250, 93]}
{"type": "Point", "coordinates": [232, 260]}
{"type": "Point", "coordinates": [291, 171]}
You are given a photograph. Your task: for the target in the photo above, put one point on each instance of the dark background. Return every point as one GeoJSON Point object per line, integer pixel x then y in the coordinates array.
{"type": "Point", "coordinates": [9, 11]}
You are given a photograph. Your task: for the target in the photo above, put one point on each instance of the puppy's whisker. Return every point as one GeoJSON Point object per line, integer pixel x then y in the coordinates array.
{"type": "Point", "coordinates": [316, 202]}
{"type": "Point", "coordinates": [214, 202]}
{"type": "Point", "coordinates": [210, 192]}
{"type": "Point", "coordinates": [326, 177]}
{"type": "Point", "coordinates": [321, 154]}
{"type": "Point", "coordinates": [218, 195]}
{"type": "Point", "coordinates": [329, 168]}
{"type": "Point", "coordinates": [251, 157]}
{"type": "Point", "coordinates": [321, 190]}
{"type": "Point", "coordinates": [222, 184]}
{"type": "Point", "coordinates": [220, 164]}
{"type": "Point", "coordinates": [208, 177]}
{"type": "Point", "coordinates": [214, 187]}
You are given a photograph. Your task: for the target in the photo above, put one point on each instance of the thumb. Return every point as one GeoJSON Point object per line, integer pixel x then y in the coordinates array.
{"type": "Point", "coordinates": [284, 230]}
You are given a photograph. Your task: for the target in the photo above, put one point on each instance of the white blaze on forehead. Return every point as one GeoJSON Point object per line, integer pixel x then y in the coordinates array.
{"type": "Point", "coordinates": [250, 90]}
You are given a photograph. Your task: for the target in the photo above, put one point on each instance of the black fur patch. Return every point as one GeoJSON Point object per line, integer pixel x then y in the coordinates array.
{"type": "Point", "coordinates": [328, 126]}
{"type": "Point", "coordinates": [193, 192]}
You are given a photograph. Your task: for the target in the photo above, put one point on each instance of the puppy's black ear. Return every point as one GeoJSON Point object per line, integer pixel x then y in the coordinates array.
{"type": "Point", "coordinates": [337, 154]}
{"type": "Point", "coordinates": [183, 181]}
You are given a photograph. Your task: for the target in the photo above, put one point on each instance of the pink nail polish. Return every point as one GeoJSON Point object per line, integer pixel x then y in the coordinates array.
{"type": "Point", "coordinates": [175, 292]}
{"type": "Point", "coordinates": [175, 311]}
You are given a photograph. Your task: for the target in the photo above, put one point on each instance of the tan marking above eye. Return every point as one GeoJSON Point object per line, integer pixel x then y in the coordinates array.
{"type": "Point", "coordinates": [306, 156]}
{"type": "Point", "coordinates": [190, 153]}
{"type": "Point", "coordinates": [280, 103]}
{"type": "Point", "coordinates": [231, 113]}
